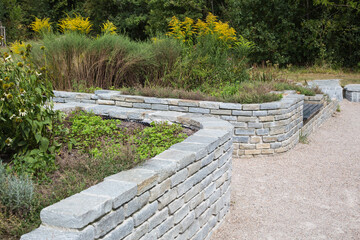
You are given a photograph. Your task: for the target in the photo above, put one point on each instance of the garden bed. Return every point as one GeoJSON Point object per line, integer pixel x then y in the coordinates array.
{"type": "Point", "coordinates": [182, 192]}
{"type": "Point", "coordinates": [92, 148]}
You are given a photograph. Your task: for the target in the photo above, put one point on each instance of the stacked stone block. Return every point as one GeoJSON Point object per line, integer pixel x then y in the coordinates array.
{"type": "Point", "coordinates": [182, 193]}
{"type": "Point", "coordinates": [352, 92]}
{"type": "Point", "coordinates": [330, 87]}
{"type": "Point", "coordinates": [259, 129]}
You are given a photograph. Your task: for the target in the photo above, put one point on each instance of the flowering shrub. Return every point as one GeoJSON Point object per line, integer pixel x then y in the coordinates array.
{"type": "Point", "coordinates": [108, 28]}
{"type": "Point", "coordinates": [25, 122]}
{"type": "Point", "coordinates": [213, 54]}
{"type": "Point", "coordinates": [191, 33]}
{"type": "Point", "coordinates": [41, 26]}
{"type": "Point", "coordinates": [75, 24]}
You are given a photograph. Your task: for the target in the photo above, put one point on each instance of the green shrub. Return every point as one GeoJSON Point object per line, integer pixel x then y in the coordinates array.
{"type": "Point", "coordinates": [26, 119]}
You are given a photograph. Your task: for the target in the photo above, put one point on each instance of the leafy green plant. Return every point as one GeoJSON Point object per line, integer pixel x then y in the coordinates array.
{"type": "Point", "coordinates": [158, 138]}
{"type": "Point", "coordinates": [88, 130]}
{"type": "Point", "coordinates": [26, 119]}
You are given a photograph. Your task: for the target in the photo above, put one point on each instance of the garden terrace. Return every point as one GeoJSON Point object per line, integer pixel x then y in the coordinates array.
{"type": "Point", "coordinates": [182, 192]}
{"type": "Point", "coordinates": [259, 129]}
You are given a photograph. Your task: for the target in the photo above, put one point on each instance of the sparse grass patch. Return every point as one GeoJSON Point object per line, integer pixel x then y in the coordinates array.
{"type": "Point", "coordinates": [303, 138]}
{"type": "Point", "coordinates": [338, 108]}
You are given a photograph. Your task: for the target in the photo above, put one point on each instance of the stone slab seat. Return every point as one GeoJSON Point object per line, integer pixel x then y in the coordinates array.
{"type": "Point", "coordinates": [352, 92]}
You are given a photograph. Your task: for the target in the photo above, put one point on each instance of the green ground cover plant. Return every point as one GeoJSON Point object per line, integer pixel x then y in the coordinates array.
{"type": "Point", "coordinates": [92, 148]}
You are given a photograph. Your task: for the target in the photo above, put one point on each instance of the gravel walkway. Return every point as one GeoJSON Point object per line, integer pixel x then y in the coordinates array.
{"type": "Point", "coordinates": [310, 192]}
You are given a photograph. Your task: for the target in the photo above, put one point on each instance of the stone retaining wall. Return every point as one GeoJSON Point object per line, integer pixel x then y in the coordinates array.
{"type": "Point", "coordinates": [331, 87]}
{"type": "Point", "coordinates": [329, 107]}
{"type": "Point", "coordinates": [352, 92]}
{"type": "Point", "coordinates": [182, 193]}
{"type": "Point", "coordinates": [259, 129]}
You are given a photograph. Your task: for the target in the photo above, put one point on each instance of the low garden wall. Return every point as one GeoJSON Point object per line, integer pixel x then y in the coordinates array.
{"type": "Point", "coordinates": [182, 193]}
{"type": "Point", "coordinates": [259, 129]}
{"type": "Point", "coordinates": [352, 92]}
{"type": "Point", "coordinates": [331, 87]}
{"type": "Point", "coordinates": [329, 107]}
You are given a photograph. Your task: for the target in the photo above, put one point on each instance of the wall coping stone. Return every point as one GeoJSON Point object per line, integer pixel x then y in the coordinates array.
{"type": "Point", "coordinates": [352, 87]}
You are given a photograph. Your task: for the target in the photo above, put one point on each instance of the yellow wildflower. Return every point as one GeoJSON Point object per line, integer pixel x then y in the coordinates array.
{"type": "Point", "coordinates": [18, 47]}
{"type": "Point", "coordinates": [76, 24]}
{"type": "Point", "coordinates": [108, 28]}
{"type": "Point", "coordinates": [41, 25]}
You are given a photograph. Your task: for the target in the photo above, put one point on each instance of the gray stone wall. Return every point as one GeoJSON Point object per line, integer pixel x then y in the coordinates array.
{"type": "Point", "coordinates": [329, 107]}
{"type": "Point", "coordinates": [259, 129]}
{"type": "Point", "coordinates": [182, 193]}
{"type": "Point", "coordinates": [352, 92]}
{"type": "Point", "coordinates": [331, 87]}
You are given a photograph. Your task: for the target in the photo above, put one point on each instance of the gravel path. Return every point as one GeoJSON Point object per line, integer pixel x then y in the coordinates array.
{"type": "Point", "coordinates": [310, 192]}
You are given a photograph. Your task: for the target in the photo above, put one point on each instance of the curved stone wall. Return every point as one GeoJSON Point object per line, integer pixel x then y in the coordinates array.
{"type": "Point", "coordinates": [182, 193]}
{"type": "Point", "coordinates": [259, 129]}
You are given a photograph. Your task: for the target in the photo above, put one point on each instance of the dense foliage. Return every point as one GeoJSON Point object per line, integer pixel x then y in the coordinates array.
{"type": "Point", "coordinates": [300, 32]}
{"type": "Point", "coordinates": [25, 118]}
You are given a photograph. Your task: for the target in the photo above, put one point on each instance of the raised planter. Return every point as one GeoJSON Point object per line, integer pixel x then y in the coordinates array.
{"type": "Point", "coordinates": [352, 92]}
{"type": "Point", "coordinates": [182, 193]}
{"type": "Point", "coordinates": [259, 129]}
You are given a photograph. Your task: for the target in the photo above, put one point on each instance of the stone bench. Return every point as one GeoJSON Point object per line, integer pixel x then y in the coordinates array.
{"type": "Point", "coordinates": [352, 92]}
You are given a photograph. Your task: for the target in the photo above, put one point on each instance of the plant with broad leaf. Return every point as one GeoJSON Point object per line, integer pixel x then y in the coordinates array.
{"type": "Point", "coordinates": [26, 118]}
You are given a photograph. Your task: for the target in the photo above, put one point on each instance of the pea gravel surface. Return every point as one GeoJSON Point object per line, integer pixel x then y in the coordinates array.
{"type": "Point", "coordinates": [310, 192]}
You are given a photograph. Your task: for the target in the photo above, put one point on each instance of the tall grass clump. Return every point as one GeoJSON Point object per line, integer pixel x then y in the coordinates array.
{"type": "Point", "coordinates": [76, 60]}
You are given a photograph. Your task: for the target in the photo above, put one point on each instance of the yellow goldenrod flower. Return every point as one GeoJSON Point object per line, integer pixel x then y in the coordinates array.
{"type": "Point", "coordinates": [76, 24]}
{"type": "Point", "coordinates": [108, 28]}
{"type": "Point", "coordinates": [41, 25]}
